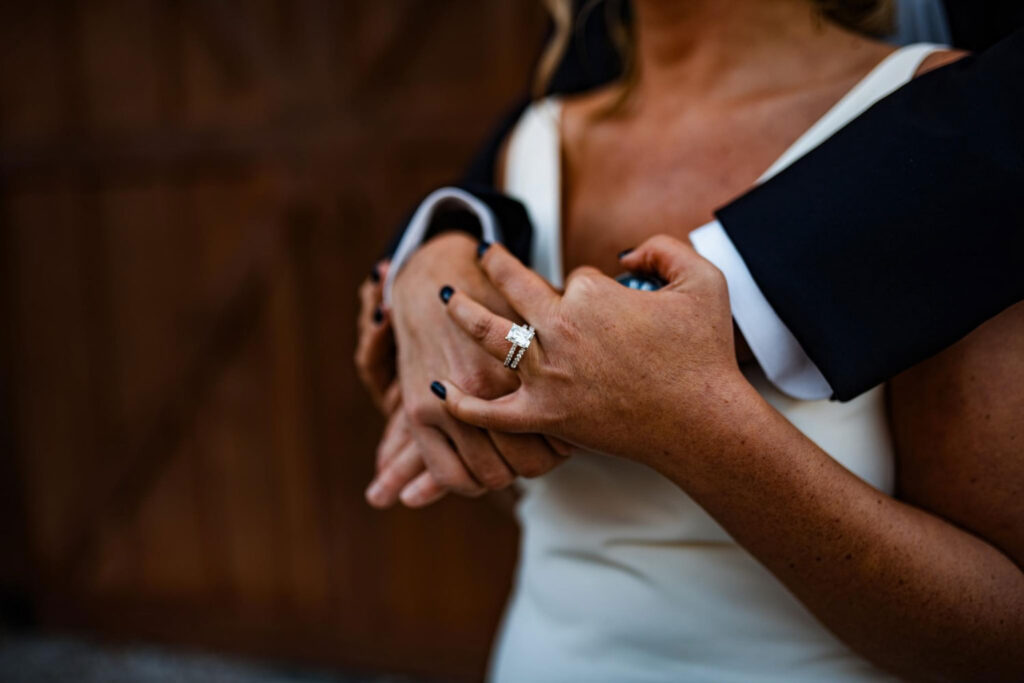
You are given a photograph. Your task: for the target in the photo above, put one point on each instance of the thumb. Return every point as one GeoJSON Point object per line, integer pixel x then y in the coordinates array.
{"type": "Point", "coordinates": [671, 259]}
{"type": "Point", "coordinates": [509, 413]}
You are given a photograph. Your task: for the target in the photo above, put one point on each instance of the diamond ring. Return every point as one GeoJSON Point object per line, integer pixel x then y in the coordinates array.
{"type": "Point", "coordinates": [520, 337]}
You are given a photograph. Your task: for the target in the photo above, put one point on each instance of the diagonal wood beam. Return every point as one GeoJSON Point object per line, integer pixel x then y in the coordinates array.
{"type": "Point", "coordinates": [232, 41]}
{"type": "Point", "coordinates": [143, 451]}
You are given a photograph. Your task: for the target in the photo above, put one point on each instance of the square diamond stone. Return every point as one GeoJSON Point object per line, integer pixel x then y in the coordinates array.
{"type": "Point", "coordinates": [519, 335]}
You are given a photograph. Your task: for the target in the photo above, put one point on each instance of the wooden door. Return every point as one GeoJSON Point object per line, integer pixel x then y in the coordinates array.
{"type": "Point", "coordinates": [190, 192]}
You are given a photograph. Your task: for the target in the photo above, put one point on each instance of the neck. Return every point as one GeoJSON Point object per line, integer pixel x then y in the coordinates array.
{"type": "Point", "coordinates": [689, 47]}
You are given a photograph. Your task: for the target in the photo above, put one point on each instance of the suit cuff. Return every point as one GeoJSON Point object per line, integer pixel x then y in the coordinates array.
{"type": "Point", "coordinates": [444, 199]}
{"type": "Point", "coordinates": [780, 355]}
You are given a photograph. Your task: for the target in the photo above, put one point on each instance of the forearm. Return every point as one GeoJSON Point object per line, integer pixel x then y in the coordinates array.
{"type": "Point", "coordinates": [906, 589]}
{"type": "Point", "coordinates": [902, 587]}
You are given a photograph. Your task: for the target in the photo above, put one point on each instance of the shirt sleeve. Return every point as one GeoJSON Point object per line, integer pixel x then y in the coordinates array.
{"type": "Point", "coordinates": [445, 198]}
{"type": "Point", "coordinates": [780, 355]}
{"type": "Point", "coordinates": [485, 213]}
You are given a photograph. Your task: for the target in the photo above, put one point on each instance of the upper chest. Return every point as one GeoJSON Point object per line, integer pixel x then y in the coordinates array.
{"type": "Point", "coordinates": [627, 178]}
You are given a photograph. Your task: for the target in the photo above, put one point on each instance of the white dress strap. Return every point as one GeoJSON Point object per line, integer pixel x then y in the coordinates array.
{"type": "Point", "coordinates": [890, 75]}
{"type": "Point", "coordinates": [533, 175]}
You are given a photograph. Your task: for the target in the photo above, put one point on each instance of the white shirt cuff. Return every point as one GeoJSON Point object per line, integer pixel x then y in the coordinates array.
{"type": "Point", "coordinates": [416, 231]}
{"type": "Point", "coordinates": [780, 355]}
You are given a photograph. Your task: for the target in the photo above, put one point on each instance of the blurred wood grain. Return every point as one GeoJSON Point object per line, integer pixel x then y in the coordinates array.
{"type": "Point", "coordinates": [191, 192]}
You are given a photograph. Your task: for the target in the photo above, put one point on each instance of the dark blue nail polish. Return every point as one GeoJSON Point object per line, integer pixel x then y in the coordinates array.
{"type": "Point", "coordinates": [625, 252]}
{"type": "Point", "coordinates": [378, 315]}
{"type": "Point", "coordinates": [446, 293]}
{"type": "Point", "coordinates": [482, 248]}
{"type": "Point", "coordinates": [439, 390]}
{"type": "Point", "coordinates": [375, 274]}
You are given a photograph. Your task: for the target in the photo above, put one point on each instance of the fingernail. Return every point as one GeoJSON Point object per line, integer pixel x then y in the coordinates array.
{"type": "Point", "coordinates": [373, 493]}
{"type": "Point", "coordinates": [482, 248]}
{"type": "Point", "coordinates": [625, 252]}
{"type": "Point", "coordinates": [446, 293]}
{"type": "Point", "coordinates": [375, 274]}
{"type": "Point", "coordinates": [378, 315]}
{"type": "Point", "coordinates": [412, 495]}
{"type": "Point", "coordinates": [439, 390]}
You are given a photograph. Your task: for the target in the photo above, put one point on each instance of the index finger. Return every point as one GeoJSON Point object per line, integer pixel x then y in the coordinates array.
{"type": "Point", "coordinates": [527, 293]}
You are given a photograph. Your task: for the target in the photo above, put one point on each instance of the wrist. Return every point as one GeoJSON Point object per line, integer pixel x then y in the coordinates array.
{"type": "Point", "coordinates": [450, 252]}
{"type": "Point", "coordinates": [702, 427]}
{"type": "Point", "coordinates": [452, 244]}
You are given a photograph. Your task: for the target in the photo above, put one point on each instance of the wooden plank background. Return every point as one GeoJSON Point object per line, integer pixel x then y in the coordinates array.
{"type": "Point", "coordinates": [190, 193]}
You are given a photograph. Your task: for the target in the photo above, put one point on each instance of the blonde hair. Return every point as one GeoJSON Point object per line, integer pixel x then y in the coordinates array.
{"type": "Point", "coordinates": [871, 17]}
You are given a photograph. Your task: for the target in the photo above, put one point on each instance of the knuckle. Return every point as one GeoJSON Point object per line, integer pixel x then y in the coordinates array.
{"type": "Point", "coordinates": [492, 265]}
{"type": "Point", "coordinates": [476, 381]}
{"type": "Point", "coordinates": [496, 260]}
{"type": "Point", "coordinates": [480, 328]}
{"type": "Point", "coordinates": [389, 480]}
{"type": "Point", "coordinates": [421, 412]}
{"type": "Point", "coordinates": [449, 481]}
{"type": "Point", "coordinates": [710, 276]}
{"type": "Point", "coordinates": [582, 273]}
{"type": "Point", "coordinates": [387, 449]}
{"type": "Point", "coordinates": [475, 492]}
{"type": "Point", "coordinates": [663, 241]}
{"type": "Point", "coordinates": [453, 406]}
{"type": "Point", "coordinates": [444, 478]}
{"type": "Point", "coordinates": [496, 479]}
{"type": "Point", "coordinates": [458, 482]}
{"type": "Point", "coordinates": [584, 280]}
{"type": "Point", "coordinates": [532, 468]}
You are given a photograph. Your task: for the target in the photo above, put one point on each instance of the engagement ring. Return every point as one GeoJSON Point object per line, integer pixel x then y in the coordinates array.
{"type": "Point", "coordinates": [520, 337]}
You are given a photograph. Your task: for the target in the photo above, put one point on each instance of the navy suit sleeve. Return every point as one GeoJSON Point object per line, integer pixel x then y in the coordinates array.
{"type": "Point", "coordinates": [977, 25]}
{"type": "Point", "coordinates": [903, 232]}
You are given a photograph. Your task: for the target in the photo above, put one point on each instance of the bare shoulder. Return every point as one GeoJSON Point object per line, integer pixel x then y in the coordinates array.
{"type": "Point", "coordinates": [939, 59]}
{"type": "Point", "coordinates": [958, 422]}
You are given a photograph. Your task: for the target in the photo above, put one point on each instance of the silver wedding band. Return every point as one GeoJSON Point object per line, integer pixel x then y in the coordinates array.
{"type": "Point", "coordinates": [520, 337]}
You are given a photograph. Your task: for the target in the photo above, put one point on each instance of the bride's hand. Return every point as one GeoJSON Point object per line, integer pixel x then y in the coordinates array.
{"type": "Point", "coordinates": [611, 369]}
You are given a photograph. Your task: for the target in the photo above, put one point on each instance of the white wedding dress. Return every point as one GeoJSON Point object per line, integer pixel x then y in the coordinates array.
{"type": "Point", "coordinates": [622, 577]}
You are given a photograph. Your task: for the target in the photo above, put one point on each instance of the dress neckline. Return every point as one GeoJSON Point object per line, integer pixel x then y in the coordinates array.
{"type": "Point", "coordinates": [533, 162]}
